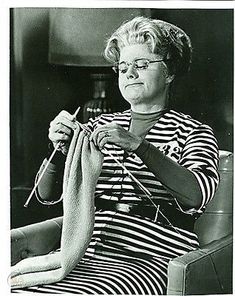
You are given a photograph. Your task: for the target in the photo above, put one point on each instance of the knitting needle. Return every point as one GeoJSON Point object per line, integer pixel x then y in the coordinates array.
{"type": "Point", "coordinates": [142, 187]}
{"type": "Point", "coordinates": [46, 166]}
{"type": "Point", "coordinates": [146, 191]}
{"type": "Point", "coordinates": [41, 175]}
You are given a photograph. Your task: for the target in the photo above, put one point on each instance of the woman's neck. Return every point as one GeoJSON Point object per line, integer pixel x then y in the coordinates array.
{"type": "Point", "coordinates": [155, 105]}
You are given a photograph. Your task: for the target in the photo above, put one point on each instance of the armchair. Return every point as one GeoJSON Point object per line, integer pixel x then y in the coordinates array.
{"type": "Point", "coordinates": [207, 270]}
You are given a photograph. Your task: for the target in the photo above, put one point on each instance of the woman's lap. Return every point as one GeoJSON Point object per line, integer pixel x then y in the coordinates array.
{"type": "Point", "coordinates": [127, 255]}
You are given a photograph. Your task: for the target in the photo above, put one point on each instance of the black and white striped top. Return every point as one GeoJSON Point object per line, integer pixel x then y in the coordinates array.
{"type": "Point", "coordinates": [180, 137]}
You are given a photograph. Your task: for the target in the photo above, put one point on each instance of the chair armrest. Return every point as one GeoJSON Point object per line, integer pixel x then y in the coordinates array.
{"type": "Point", "coordinates": [35, 239]}
{"type": "Point", "coordinates": [207, 270]}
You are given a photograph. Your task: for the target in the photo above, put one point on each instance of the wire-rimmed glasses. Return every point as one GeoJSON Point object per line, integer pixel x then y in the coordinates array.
{"type": "Point", "coordinates": [138, 64]}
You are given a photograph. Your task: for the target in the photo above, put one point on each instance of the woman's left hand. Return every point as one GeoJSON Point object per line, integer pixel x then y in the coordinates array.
{"type": "Point", "coordinates": [115, 134]}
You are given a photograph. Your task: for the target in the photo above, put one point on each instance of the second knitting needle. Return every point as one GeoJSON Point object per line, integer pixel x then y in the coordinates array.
{"type": "Point", "coordinates": [46, 166]}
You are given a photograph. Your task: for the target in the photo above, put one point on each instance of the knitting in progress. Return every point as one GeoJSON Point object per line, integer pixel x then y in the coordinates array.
{"type": "Point", "coordinates": [82, 169]}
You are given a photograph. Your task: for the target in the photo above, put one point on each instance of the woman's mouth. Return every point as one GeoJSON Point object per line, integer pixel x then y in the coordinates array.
{"type": "Point", "coordinates": [133, 84]}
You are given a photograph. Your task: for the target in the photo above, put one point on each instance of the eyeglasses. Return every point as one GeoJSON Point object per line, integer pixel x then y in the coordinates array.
{"type": "Point", "coordinates": [138, 64]}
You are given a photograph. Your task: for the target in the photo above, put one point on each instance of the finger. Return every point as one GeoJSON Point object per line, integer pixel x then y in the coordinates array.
{"type": "Point", "coordinates": [64, 150]}
{"type": "Point", "coordinates": [65, 121]}
{"type": "Point", "coordinates": [104, 141]}
{"type": "Point", "coordinates": [64, 114]}
{"type": "Point", "coordinates": [101, 135]}
{"type": "Point", "coordinates": [56, 137]}
{"type": "Point", "coordinates": [66, 118]}
{"type": "Point", "coordinates": [60, 128]}
{"type": "Point", "coordinates": [60, 132]}
{"type": "Point", "coordinates": [96, 132]}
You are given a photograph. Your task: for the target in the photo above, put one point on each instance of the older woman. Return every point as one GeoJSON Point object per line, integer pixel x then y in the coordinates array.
{"type": "Point", "coordinates": [138, 229]}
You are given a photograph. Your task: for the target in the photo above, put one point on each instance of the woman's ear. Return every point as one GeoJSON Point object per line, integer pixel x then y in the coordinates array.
{"type": "Point", "coordinates": [170, 78]}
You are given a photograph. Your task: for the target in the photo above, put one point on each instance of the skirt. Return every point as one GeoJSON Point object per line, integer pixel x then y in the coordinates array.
{"type": "Point", "coordinates": [127, 255]}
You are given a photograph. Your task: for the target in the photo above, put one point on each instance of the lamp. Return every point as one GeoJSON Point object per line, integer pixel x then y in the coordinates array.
{"type": "Point", "coordinates": [77, 35]}
{"type": "Point", "coordinates": [77, 38]}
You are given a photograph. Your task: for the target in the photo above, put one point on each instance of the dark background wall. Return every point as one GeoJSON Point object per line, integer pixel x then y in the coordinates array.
{"type": "Point", "coordinates": [207, 92]}
{"type": "Point", "coordinates": [39, 90]}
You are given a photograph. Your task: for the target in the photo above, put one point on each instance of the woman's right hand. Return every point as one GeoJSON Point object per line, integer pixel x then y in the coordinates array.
{"type": "Point", "coordinates": [61, 130]}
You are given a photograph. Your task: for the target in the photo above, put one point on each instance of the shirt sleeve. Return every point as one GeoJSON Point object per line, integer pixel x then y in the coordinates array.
{"type": "Point", "coordinates": [200, 155]}
{"type": "Point", "coordinates": [49, 189]}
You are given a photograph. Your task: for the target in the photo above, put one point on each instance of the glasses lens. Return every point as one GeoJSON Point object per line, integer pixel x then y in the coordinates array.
{"type": "Point", "coordinates": [141, 64]}
{"type": "Point", "coordinates": [138, 64]}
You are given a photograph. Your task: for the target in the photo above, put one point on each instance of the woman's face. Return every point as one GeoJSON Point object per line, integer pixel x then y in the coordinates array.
{"type": "Point", "coordinates": [143, 87]}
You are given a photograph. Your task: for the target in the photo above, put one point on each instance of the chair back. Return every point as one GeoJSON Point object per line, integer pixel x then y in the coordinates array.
{"type": "Point", "coordinates": [216, 222]}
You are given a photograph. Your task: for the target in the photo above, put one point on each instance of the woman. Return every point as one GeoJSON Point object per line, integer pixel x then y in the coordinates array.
{"type": "Point", "coordinates": [138, 230]}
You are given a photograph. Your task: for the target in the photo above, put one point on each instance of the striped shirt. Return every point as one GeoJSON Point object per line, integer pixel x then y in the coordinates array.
{"type": "Point", "coordinates": [129, 254]}
{"type": "Point", "coordinates": [185, 140]}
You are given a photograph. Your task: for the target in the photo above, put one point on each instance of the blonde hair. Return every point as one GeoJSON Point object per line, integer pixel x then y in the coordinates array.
{"type": "Point", "coordinates": [162, 38]}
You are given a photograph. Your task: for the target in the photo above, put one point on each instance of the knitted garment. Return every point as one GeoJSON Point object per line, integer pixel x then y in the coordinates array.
{"type": "Point", "coordinates": [82, 169]}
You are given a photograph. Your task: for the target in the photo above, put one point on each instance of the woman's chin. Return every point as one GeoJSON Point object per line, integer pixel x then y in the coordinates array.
{"type": "Point", "coordinates": [133, 97]}
{"type": "Point", "coordinates": [134, 100]}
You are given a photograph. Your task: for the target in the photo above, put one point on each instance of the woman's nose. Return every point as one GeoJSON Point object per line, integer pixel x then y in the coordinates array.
{"type": "Point", "coordinates": [132, 72]}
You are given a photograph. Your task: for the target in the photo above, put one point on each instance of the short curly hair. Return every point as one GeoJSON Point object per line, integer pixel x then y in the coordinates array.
{"type": "Point", "coordinates": [164, 39]}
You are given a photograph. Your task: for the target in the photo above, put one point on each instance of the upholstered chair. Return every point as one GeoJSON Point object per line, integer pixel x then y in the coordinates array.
{"type": "Point", "coordinates": [207, 270]}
